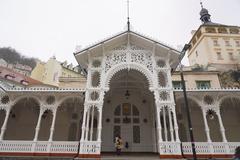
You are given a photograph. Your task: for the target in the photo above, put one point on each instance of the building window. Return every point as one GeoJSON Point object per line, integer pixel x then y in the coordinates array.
{"type": "Point", "coordinates": [227, 43]}
{"type": "Point", "coordinates": [222, 30]}
{"type": "Point", "coordinates": [234, 30]}
{"type": "Point", "coordinates": [231, 56]}
{"type": "Point", "coordinates": [210, 30]}
{"type": "Point", "coordinates": [219, 56]}
{"type": "Point", "coordinates": [237, 43]}
{"type": "Point", "coordinates": [177, 84]}
{"type": "Point", "coordinates": [127, 113]}
{"type": "Point", "coordinates": [196, 53]}
{"type": "Point", "coordinates": [203, 84]}
{"type": "Point", "coordinates": [215, 42]}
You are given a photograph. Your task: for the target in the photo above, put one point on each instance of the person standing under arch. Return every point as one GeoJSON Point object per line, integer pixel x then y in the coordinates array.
{"type": "Point", "coordinates": [118, 145]}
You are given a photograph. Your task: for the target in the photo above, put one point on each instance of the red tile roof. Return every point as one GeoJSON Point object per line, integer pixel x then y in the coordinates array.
{"type": "Point", "coordinates": [7, 73]}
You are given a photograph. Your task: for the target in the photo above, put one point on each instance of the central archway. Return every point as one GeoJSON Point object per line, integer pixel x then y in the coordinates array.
{"type": "Point", "coordinates": [129, 112]}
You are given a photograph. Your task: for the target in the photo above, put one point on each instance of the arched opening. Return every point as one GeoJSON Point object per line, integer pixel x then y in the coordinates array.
{"type": "Point", "coordinates": [22, 120]}
{"type": "Point", "coordinates": [214, 127]}
{"type": "Point", "coordinates": [69, 120]}
{"type": "Point", "coordinates": [129, 112]}
{"type": "Point", "coordinates": [46, 121]}
{"type": "Point", "coordinates": [196, 118]}
{"type": "Point", "coordinates": [230, 112]}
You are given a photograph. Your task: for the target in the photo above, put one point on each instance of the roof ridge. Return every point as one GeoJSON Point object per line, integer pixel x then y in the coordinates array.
{"type": "Point", "coordinates": [155, 39]}
{"type": "Point", "coordinates": [101, 41]}
{"type": "Point", "coordinates": [122, 32]}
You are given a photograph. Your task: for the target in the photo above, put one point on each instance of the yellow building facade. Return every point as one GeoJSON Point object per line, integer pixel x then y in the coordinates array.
{"type": "Point", "coordinates": [215, 44]}
{"type": "Point", "coordinates": [51, 71]}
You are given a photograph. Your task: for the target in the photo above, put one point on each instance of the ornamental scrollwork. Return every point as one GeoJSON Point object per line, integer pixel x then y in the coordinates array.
{"type": "Point", "coordinates": [115, 58]}
{"type": "Point", "coordinates": [124, 54]}
{"type": "Point", "coordinates": [144, 58]}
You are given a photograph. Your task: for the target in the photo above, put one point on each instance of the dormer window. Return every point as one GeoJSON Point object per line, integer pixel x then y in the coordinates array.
{"type": "Point", "coordinates": [9, 76]}
{"type": "Point", "coordinates": [222, 30]}
{"type": "Point", "coordinates": [231, 56]}
{"type": "Point", "coordinates": [237, 43]}
{"type": "Point", "coordinates": [234, 31]}
{"type": "Point", "coordinates": [210, 30]}
{"type": "Point", "coordinates": [219, 56]}
{"type": "Point", "coordinates": [24, 82]}
{"type": "Point", "coordinates": [215, 42]}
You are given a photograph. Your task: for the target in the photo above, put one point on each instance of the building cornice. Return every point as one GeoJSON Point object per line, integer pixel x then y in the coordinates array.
{"type": "Point", "coordinates": [208, 90]}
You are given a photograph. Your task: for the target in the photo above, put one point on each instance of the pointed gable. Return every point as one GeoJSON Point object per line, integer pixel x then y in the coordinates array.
{"type": "Point", "coordinates": [121, 39]}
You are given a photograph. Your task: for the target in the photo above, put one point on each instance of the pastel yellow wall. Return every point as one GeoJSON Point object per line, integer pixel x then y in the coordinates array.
{"type": "Point", "coordinates": [204, 50]}
{"type": "Point", "coordinates": [51, 71]}
{"type": "Point", "coordinates": [38, 71]}
{"type": "Point", "coordinates": [72, 82]}
{"type": "Point", "coordinates": [69, 73]}
{"type": "Point", "coordinates": [191, 78]}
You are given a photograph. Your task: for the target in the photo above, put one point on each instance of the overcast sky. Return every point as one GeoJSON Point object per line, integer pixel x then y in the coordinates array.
{"type": "Point", "coordinates": [43, 28]}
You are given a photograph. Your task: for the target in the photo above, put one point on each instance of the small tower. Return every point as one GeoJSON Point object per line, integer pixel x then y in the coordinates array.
{"type": "Point", "coordinates": [205, 16]}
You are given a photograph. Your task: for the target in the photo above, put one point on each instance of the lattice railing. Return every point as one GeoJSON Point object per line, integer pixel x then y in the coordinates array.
{"type": "Point", "coordinates": [16, 146]}
{"type": "Point", "coordinates": [211, 148]}
{"type": "Point", "coordinates": [64, 147]}
{"type": "Point", "coordinates": [90, 147]}
{"type": "Point", "coordinates": [169, 148]}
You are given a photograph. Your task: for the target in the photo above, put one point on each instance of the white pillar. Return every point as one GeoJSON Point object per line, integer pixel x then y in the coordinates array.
{"type": "Point", "coordinates": [159, 127]}
{"type": "Point", "coordinates": [83, 125]}
{"type": "Point", "coordinates": [170, 123]}
{"type": "Point", "coordinates": [53, 125]}
{"type": "Point", "coordinates": [165, 124]}
{"type": "Point", "coordinates": [38, 125]}
{"type": "Point", "coordinates": [175, 124]}
{"type": "Point", "coordinates": [222, 129]}
{"type": "Point", "coordinates": [99, 125]}
{"type": "Point", "coordinates": [87, 124]}
{"type": "Point", "coordinates": [3, 129]}
{"type": "Point", "coordinates": [92, 119]}
{"type": "Point", "coordinates": [206, 126]}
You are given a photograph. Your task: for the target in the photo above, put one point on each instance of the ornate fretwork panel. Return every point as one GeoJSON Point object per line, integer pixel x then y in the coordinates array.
{"type": "Point", "coordinates": [124, 54]}
{"type": "Point", "coordinates": [142, 57]}
{"type": "Point", "coordinates": [115, 57]}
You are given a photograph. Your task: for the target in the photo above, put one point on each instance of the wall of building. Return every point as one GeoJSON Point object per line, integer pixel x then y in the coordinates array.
{"type": "Point", "coordinates": [51, 72]}
{"type": "Point", "coordinates": [147, 131]}
{"type": "Point", "coordinates": [72, 82]}
{"type": "Point", "coordinates": [215, 48]}
{"type": "Point", "coordinates": [191, 77]}
{"type": "Point", "coordinates": [38, 71]}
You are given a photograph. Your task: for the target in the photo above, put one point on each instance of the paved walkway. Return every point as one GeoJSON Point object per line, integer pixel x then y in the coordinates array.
{"type": "Point", "coordinates": [130, 156]}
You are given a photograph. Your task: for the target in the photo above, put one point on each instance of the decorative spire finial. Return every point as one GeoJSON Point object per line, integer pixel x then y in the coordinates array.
{"type": "Point", "coordinates": [205, 16]}
{"type": "Point", "coordinates": [128, 22]}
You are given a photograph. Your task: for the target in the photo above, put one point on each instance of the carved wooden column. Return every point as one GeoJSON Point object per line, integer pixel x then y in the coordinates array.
{"type": "Point", "coordinates": [99, 125]}
{"type": "Point", "coordinates": [87, 124]}
{"type": "Point", "coordinates": [170, 122]}
{"type": "Point", "coordinates": [165, 124]}
{"type": "Point", "coordinates": [175, 124]}
{"type": "Point", "coordinates": [4, 126]}
{"type": "Point", "coordinates": [53, 124]}
{"type": "Point", "coordinates": [38, 124]}
{"type": "Point", "coordinates": [92, 119]}
{"type": "Point", "coordinates": [206, 125]}
{"type": "Point", "coordinates": [83, 125]}
{"type": "Point", "coordinates": [159, 126]}
{"type": "Point", "coordinates": [222, 129]}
